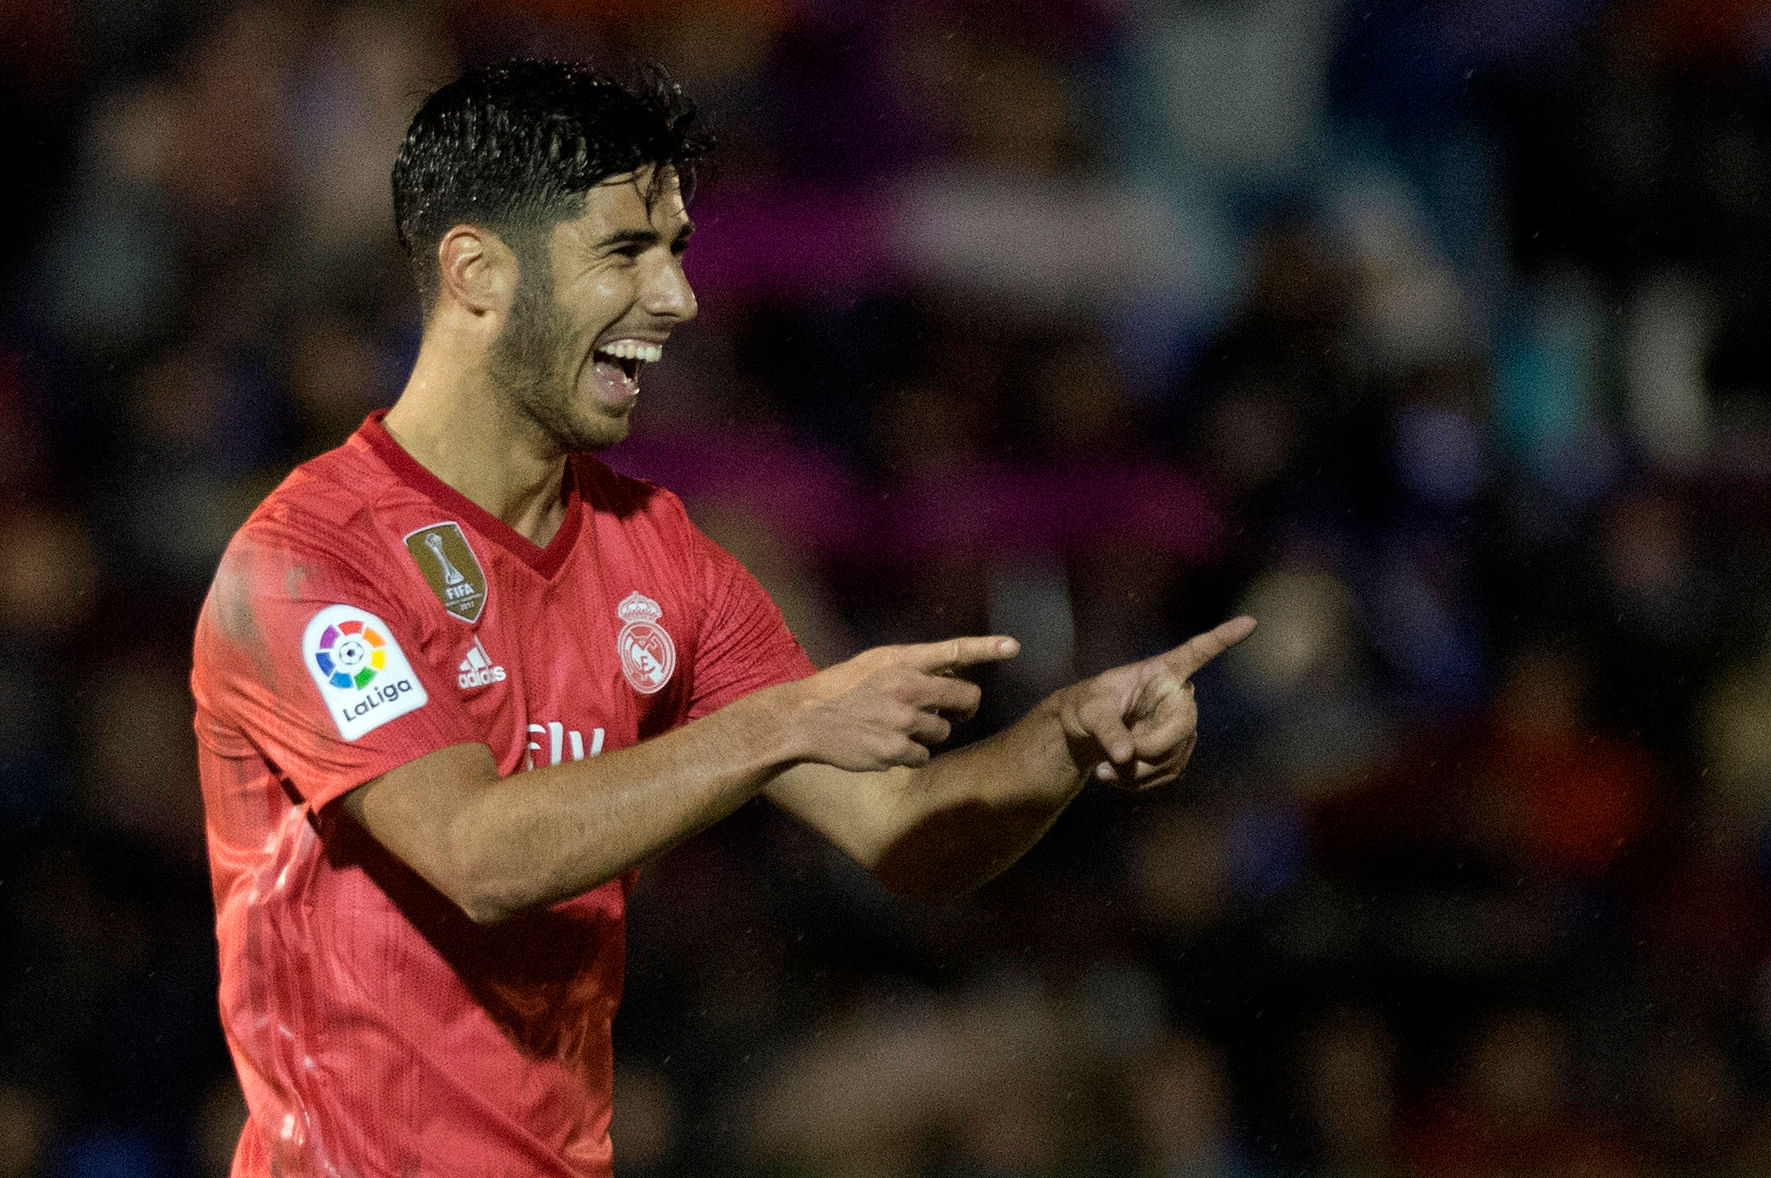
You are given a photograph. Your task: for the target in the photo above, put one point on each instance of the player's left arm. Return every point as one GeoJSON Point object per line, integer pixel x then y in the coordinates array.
{"type": "Point", "coordinates": [950, 825]}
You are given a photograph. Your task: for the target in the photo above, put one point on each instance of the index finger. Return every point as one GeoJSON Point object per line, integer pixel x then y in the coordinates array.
{"type": "Point", "coordinates": [940, 657]}
{"type": "Point", "coordinates": [1200, 649]}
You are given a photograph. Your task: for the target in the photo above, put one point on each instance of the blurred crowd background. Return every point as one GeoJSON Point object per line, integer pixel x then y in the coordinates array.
{"type": "Point", "coordinates": [1433, 333]}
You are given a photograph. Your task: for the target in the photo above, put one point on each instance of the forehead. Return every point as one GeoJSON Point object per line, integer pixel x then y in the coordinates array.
{"type": "Point", "coordinates": [648, 198]}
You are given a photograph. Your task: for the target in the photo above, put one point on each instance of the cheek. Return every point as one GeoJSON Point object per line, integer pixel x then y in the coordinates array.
{"type": "Point", "coordinates": [606, 300]}
{"type": "Point", "coordinates": [593, 301]}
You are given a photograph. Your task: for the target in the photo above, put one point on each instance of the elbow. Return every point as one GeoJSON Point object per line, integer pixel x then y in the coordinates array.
{"type": "Point", "coordinates": [473, 879]}
{"type": "Point", "coordinates": [492, 881]}
{"type": "Point", "coordinates": [485, 896]}
{"type": "Point", "coordinates": [483, 909]}
{"type": "Point", "coordinates": [439, 819]}
{"type": "Point", "coordinates": [472, 896]}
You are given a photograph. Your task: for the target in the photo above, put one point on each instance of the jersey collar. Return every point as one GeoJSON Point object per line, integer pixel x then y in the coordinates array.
{"type": "Point", "coordinates": [544, 560]}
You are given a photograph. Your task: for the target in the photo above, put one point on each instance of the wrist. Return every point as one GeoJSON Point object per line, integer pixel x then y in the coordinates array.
{"type": "Point", "coordinates": [770, 724]}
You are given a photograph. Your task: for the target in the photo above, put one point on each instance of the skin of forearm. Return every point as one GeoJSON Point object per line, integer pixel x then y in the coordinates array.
{"type": "Point", "coordinates": [545, 835]}
{"type": "Point", "coordinates": [969, 814]}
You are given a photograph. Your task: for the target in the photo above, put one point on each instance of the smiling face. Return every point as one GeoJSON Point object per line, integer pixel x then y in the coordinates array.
{"type": "Point", "coordinates": [594, 308]}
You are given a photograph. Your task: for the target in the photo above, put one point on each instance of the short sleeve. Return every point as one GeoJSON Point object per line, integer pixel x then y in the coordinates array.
{"type": "Point", "coordinates": [744, 643]}
{"type": "Point", "coordinates": [302, 658]}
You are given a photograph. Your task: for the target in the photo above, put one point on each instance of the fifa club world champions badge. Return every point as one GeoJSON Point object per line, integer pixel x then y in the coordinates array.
{"type": "Point", "coordinates": [648, 656]}
{"type": "Point", "coordinates": [450, 568]}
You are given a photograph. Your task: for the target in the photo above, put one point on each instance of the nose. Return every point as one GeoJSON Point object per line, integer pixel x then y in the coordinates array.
{"type": "Point", "coordinates": [668, 294]}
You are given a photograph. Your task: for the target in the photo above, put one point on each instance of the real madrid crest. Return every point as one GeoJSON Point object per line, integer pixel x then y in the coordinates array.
{"type": "Point", "coordinates": [648, 656]}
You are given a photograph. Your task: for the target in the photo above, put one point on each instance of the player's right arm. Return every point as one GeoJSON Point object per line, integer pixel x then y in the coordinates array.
{"type": "Point", "coordinates": [499, 846]}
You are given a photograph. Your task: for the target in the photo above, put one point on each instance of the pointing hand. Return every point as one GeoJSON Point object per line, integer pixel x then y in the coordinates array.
{"type": "Point", "coordinates": [1135, 726]}
{"type": "Point", "coordinates": [887, 705]}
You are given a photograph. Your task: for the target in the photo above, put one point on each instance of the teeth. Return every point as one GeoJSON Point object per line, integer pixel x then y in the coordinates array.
{"type": "Point", "coordinates": [628, 349]}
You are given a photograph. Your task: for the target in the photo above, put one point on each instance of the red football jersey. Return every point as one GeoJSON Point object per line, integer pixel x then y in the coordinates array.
{"type": "Point", "coordinates": [368, 614]}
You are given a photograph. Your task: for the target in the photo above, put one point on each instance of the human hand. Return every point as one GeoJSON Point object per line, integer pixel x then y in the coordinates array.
{"type": "Point", "coordinates": [1135, 726]}
{"type": "Point", "coordinates": [887, 705]}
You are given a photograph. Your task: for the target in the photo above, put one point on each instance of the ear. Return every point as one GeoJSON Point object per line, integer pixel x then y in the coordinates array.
{"type": "Point", "coordinates": [476, 270]}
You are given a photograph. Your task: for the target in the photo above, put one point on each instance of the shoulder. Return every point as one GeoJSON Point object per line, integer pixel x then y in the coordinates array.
{"type": "Point", "coordinates": [320, 517]}
{"type": "Point", "coordinates": [333, 492]}
{"type": "Point", "coordinates": [310, 538]}
{"type": "Point", "coordinates": [636, 507]}
{"type": "Point", "coordinates": [622, 495]}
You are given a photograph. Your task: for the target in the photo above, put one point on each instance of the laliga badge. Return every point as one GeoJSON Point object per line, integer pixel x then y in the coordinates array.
{"type": "Point", "coordinates": [648, 656]}
{"type": "Point", "coordinates": [363, 675]}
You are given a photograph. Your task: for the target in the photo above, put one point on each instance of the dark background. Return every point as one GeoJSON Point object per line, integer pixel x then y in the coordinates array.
{"type": "Point", "coordinates": [1432, 333]}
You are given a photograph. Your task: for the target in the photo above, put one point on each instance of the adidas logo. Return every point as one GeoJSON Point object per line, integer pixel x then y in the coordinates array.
{"type": "Point", "coordinates": [477, 669]}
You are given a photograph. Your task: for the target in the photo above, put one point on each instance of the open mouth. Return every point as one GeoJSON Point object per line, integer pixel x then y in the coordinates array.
{"type": "Point", "coordinates": [627, 357]}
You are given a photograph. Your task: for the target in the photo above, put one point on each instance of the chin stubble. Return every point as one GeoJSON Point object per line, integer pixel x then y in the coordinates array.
{"type": "Point", "coordinates": [531, 361]}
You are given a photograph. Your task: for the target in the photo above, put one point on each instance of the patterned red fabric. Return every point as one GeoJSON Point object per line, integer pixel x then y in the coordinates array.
{"type": "Point", "coordinates": [376, 1030]}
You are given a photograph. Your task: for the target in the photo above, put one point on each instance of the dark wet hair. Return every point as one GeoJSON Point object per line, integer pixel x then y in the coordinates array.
{"type": "Point", "coordinates": [514, 147]}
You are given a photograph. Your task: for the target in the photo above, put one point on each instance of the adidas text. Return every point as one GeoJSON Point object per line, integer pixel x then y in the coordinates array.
{"type": "Point", "coordinates": [480, 677]}
{"type": "Point", "coordinates": [478, 669]}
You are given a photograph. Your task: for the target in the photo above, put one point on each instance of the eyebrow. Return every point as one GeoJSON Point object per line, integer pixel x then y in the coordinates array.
{"type": "Point", "coordinates": [642, 237]}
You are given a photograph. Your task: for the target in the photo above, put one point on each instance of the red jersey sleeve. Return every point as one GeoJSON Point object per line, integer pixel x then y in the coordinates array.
{"type": "Point", "coordinates": [299, 656]}
{"type": "Point", "coordinates": [744, 643]}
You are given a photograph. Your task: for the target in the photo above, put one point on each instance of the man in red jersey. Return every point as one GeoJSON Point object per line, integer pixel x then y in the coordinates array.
{"type": "Point", "coordinates": [456, 680]}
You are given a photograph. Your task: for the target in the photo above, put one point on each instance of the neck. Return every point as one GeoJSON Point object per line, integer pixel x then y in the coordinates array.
{"type": "Point", "coordinates": [453, 421]}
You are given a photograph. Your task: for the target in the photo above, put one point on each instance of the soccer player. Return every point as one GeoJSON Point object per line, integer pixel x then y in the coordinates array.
{"type": "Point", "coordinates": [456, 680]}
